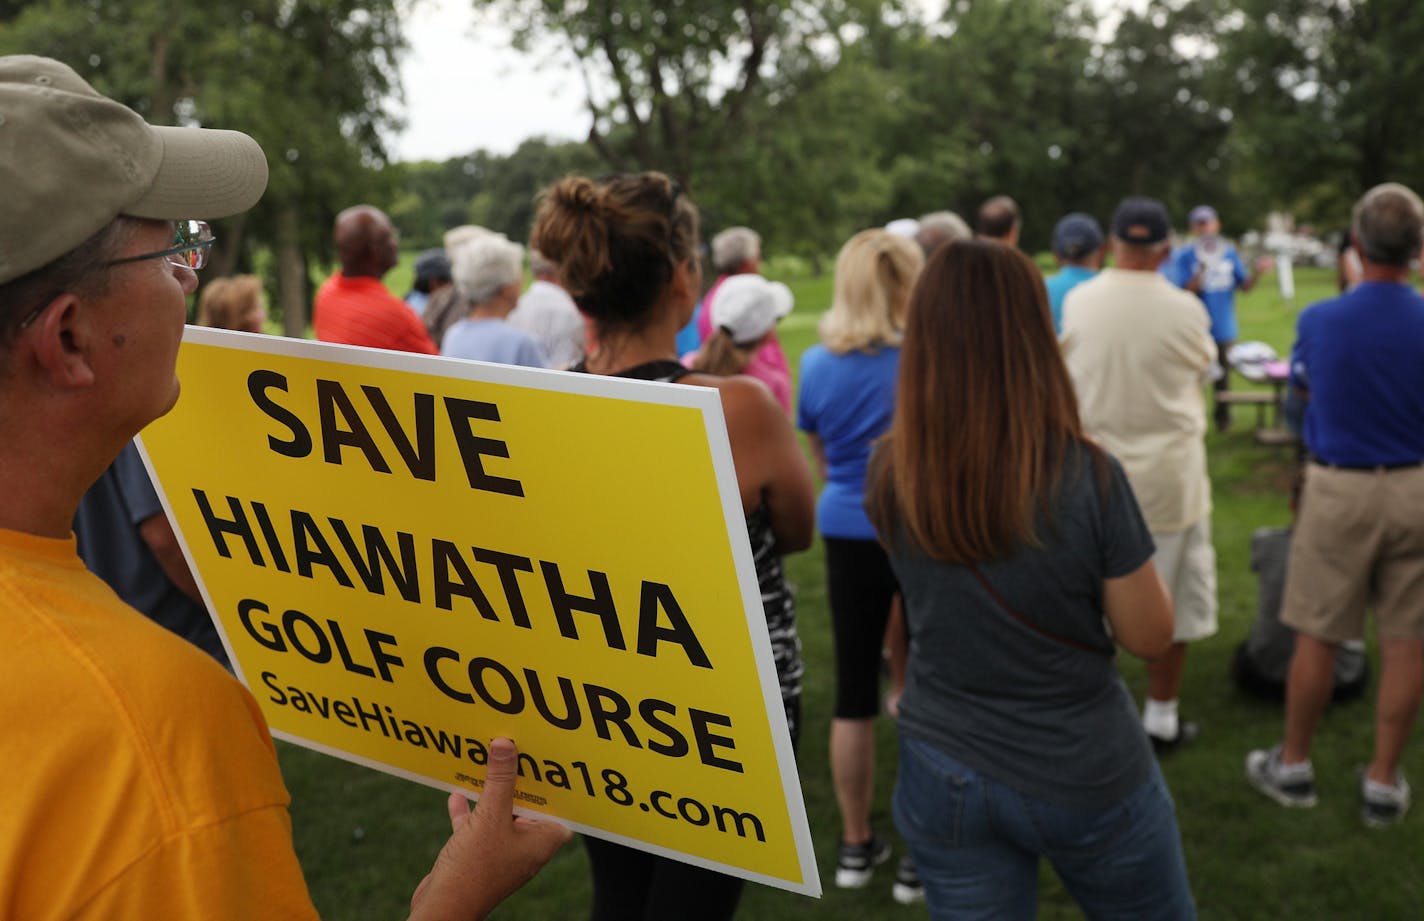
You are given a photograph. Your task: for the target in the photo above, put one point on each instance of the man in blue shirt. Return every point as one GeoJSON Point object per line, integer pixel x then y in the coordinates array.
{"type": "Point", "coordinates": [1210, 268]}
{"type": "Point", "coordinates": [1078, 247]}
{"type": "Point", "coordinates": [1359, 539]}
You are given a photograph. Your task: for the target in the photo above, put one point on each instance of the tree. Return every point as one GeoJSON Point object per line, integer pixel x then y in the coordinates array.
{"type": "Point", "coordinates": [1323, 92]}
{"type": "Point", "coordinates": [995, 95]}
{"type": "Point", "coordinates": [494, 191]}
{"type": "Point", "coordinates": [310, 80]}
{"type": "Point", "coordinates": [671, 83]}
{"type": "Point", "coordinates": [1154, 123]}
{"type": "Point", "coordinates": [805, 172]}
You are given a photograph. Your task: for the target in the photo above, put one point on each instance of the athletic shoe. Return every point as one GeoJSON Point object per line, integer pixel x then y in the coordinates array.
{"type": "Point", "coordinates": [907, 889]}
{"type": "Point", "coordinates": [1384, 804]}
{"type": "Point", "coordinates": [1288, 784]}
{"type": "Point", "coordinates": [1187, 732]}
{"type": "Point", "coordinates": [857, 862]}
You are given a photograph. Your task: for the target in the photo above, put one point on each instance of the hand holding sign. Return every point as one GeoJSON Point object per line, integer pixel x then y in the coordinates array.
{"type": "Point", "coordinates": [491, 851]}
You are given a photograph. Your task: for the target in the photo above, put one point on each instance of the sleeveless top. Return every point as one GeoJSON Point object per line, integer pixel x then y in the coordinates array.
{"type": "Point", "coordinates": [777, 601]}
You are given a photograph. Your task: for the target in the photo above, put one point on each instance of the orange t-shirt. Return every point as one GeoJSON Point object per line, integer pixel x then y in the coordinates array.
{"type": "Point", "coordinates": [139, 778]}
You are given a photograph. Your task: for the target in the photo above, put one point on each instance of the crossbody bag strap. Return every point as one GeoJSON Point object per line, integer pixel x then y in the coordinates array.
{"type": "Point", "coordinates": [994, 593]}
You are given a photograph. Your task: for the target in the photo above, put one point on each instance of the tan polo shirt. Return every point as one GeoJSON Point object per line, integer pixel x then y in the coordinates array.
{"type": "Point", "coordinates": [1138, 348]}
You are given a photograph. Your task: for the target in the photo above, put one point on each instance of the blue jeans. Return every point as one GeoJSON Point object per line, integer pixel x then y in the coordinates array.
{"type": "Point", "coordinates": [976, 844]}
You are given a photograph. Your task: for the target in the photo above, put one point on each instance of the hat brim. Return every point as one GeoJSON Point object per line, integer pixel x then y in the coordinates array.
{"type": "Point", "coordinates": [782, 300]}
{"type": "Point", "coordinates": [205, 173]}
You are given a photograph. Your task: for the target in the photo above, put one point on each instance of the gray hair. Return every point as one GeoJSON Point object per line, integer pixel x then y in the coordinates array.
{"type": "Point", "coordinates": [82, 270]}
{"type": "Point", "coordinates": [482, 266]}
{"type": "Point", "coordinates": [733, 247]}
{"type": "Point", "coordinates": [939, 227]}
{"type": "Point", "coordinates": [1388, 224]}
{"type": "Point", "coordinates": [541, 265]}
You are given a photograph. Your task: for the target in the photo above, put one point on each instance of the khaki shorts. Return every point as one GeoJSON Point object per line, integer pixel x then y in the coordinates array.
{"type": "Point", "coordinates": [1186, 561]}
{"type": "Point", "coordinates": [1359, 539]}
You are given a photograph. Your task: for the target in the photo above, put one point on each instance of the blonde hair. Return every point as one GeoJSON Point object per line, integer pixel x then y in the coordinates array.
{"type": "Point", "coordinates": [226, 301]}
{"type": "Point", "coordinates": [875, 273]}
{"type": "Point", "coordinates": [723, 357]}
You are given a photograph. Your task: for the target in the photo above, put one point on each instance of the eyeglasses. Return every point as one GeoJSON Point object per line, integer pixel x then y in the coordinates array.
{"type": "Point", "coordinates": [192, 241]}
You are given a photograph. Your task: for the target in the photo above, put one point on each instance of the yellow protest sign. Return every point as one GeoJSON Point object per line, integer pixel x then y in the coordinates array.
{"type": "Point", "coordinates": [408, 556]}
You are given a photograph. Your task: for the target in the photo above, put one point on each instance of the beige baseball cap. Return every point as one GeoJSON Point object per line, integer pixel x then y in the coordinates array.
{"type": "Point", "coordinates": [72, 160]}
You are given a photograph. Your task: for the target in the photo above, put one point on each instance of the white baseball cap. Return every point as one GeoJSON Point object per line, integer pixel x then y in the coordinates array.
{"type": "Point", "coordinates": [748, 307]}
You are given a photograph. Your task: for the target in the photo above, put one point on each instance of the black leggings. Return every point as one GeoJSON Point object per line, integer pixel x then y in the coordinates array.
{"type": "Point", "coordinates": [633, 885]}
{"type": "Point", "coordinates": [860, 585]}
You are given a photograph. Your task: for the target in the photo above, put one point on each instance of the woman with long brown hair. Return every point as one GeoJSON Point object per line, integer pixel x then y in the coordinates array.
{"type": "Point", "coordinates": [1023, 560]}
{"type": "Point", "coordinates": [626, 247]}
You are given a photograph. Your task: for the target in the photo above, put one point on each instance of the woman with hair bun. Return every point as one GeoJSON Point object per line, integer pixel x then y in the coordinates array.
{"type": "Point", "coordinates": [626, 247]}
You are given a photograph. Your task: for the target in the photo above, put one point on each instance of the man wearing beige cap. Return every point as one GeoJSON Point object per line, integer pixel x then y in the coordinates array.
{"type": "Point", "coordinates": [140, 780]}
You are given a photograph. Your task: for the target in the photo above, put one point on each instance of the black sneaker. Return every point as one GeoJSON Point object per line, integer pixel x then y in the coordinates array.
{"type": "Point", "coordinates": [856, 863]}
{"type": "Point", "coordinates": [907, 889]}
{"type": "Point", "coordinates": [1187, 732]}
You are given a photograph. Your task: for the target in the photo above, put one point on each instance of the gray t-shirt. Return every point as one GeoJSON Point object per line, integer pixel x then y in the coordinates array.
{"type": "Point", "coordinates": [1046, 715]}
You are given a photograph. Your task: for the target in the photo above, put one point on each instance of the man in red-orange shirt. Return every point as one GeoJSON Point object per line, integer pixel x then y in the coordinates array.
{"type": "Point", "coordinates": [353, 307]}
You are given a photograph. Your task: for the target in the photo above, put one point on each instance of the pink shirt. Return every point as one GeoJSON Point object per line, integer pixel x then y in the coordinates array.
{"type": "Point", "coordinates": [768, 364]}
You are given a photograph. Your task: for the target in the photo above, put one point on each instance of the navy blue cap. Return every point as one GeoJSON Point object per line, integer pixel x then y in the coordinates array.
{"type": "Point", "coordinates": [1077, 236]}
{"type": "Point", "coordinates": [432, 265]}
{"type": "Point", "coordinates": [1141, 221]}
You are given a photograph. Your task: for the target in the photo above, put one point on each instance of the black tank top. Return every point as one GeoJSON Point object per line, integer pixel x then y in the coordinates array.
{"type": "Point", "coordinates": [664, 370]}
{"type": "Point", "coordinates": [777, 600]}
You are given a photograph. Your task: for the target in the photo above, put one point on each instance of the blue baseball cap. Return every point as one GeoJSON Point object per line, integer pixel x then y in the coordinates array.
{"type": "Point", "coordinates": [1077, 236]}
{"type": "Point", "coordinates": [1201, 214]}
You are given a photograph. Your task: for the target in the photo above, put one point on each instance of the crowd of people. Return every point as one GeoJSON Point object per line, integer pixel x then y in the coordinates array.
{"type": "Point", "coordinates": [1014, 487]}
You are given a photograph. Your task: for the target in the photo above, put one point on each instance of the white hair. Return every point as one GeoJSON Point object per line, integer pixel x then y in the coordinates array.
{"type": "Point", "coordinates": [464, 234]}
{"type": "Point", "coordinates": [733, 247]}
{"type": "Point", "coordinates": [482, 266]}
{"type": "Point", "coordinates": [941, 227]}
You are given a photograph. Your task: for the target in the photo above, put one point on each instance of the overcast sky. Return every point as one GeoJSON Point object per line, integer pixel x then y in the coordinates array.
{"type": "Point", "coordinates": [466, 89]}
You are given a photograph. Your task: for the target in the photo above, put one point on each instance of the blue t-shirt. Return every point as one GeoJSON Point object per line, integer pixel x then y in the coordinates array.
{"type": "Point", "coordinates": [688, 338]}
{"type": "Point", "coordinates": [1059, 284]}
{"type": "Point", "coordinates": [1361, 358]}
{"type": "Point", "coordinates": [1222, 273]}
{"type": "Point", "coordinates": [494, 340]}
{"type": "Point", "coordinates": [106, 526]}
{"type": "Point", "coordinates": [846, 401]}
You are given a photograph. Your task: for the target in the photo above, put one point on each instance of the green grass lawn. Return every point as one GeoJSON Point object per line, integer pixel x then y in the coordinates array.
{"type": "Point", "coordinates": [365, 839]}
